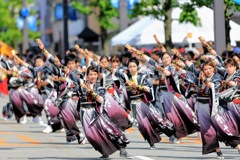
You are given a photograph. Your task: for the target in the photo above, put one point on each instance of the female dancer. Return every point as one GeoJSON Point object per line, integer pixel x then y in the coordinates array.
{"type": "Point", "coordinates": [117, 112]}
{"type": "Point", "coordinates": [171, 103]}
{"type": "Point", "coordinates": [48, 92]}
{"type": "Point", "coordinates": [67, 99]}
{"type": "Point", "coordinates": [227, 120]}
{"type": "Point", "coordinates": [100, 132]}
{"type": "Point", "coordinates": [25, 97]}
{"type": "Point", "coordinates": [140, 92]}
{"type": "Point", "coordinates": [209, 83]}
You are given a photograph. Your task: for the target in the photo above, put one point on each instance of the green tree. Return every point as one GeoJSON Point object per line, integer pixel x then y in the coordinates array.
{"type": "Point", "coordinates": [229, 8]}
{"type": "Point", "coordinates": [104, 16]}
{"type": "Point", "coordinates": [162, 10]}
{"type": "Point", "coordinates": [9, 33]}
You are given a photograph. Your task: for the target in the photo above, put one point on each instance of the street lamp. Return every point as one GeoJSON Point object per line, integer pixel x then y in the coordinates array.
{"type": "Point", "coordinates": [65, 27]}
{"type": "Point", "coordinates": [24, 13]}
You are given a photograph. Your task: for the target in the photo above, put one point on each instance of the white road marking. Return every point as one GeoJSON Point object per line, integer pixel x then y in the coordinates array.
{"type": "Point", "coordinates": [143, 158]}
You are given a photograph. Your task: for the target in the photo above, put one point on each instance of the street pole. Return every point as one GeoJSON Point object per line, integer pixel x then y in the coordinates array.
{"type": "Point", "coordinates": [65, 27]}
{"type": "Point", "coordinates": [123, 15]}
{"type": "Point", "coordinates": [25, 31]}
{"type": "Point", "coordinates": [219, 26]}
{"type": "Point", "coordinates": [43, 13]}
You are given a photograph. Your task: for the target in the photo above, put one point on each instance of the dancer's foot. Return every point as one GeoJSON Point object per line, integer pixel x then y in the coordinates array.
{"type": "Point", "coordinates": [81, 139]}
{"type": "Point", "coordinates": [71, 138]}
{"type": "Point", "coordinates": [125, 140]}
{"type": "Point", "coordinates": [48, 129]}
{"type": "Point", "coordinates": [130, 118]}
{"type": "Point", "coordinates": [173, 139]}
{"type": "Point", "coordinates": [104, 157]}
{"type": "Point", "coordinates": [220, 155]}
{"type": "Point", "coordinates": [152, 147]}
{"type": "Point", "coordinates": [124, 154]}
{"type": "Point", "coordinates": [23, 120]}
{"type": "Point", "coordinates": [38, 120]}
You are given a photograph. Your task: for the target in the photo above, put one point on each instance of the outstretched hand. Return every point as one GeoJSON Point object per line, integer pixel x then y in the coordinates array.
{"type": "Point", "coordinates": [40, 44]}
{"type": "Point", "coordinates": [57, 61]}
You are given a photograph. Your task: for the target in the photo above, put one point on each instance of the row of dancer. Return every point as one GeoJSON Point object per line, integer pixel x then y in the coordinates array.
{"type": "Point", "coordinates": [105, 96]}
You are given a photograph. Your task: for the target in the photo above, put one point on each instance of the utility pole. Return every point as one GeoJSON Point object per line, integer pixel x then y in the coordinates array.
{"type": "Point", "coordinates": [43, 13]}
{"type": "Point", "coordinates": [65, 27]}
{"type": "Point", "coordinates": [25, 30]}
{"type": "Point", "coordinates": [123, 14]}
{"type": "Point", "coordinates": [219, 26]}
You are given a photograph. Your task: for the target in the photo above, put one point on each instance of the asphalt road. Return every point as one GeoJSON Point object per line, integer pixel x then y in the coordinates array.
{"type": "Point", "coordinates": [18, 141]}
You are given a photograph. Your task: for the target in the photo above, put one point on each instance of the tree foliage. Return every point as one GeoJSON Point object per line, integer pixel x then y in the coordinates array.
{"type": "Point", "coordinates": [162, 10]}
{"type": "Point", "coordinates": [158, 9]}
{"type": "Point", "coordinates": [155, 8]}
{"type": "Point", "coordinates": [9, 32]}
{"type": "Point", "coordinates": [104, 14]}
{"type": "Point", "coordinates": [9, 11]}
{"type": "Point", "coordinates": [229, 8]}
{"type": "Point", "coordinates": [106, 11]}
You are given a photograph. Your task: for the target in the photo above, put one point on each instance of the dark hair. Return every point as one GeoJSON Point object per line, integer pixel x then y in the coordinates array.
{"type": "Point", "coordinates": [38, 57]}
{"type": "Point", "coordinates": [235, 54]}
{"type": "Point", "coordinates": [134, 60]}
{"type": "Point", "coordinates": [127, 54]}
{"type": "Point", "coordinates": [230, 53]}
{"type": "Point", "coordinates": [72, 50]}
{"type": "Point", "coordinates": [115, 57]}
{"type": "Point", "coordinates": [147, 53]}
{"type": "Point", "coordinates": [191, 54]}
{"type": "Point", "coordinates": [232, 62]}
{"type": "Point", "coordinates": [70, 57]}
{"type": "Point", "coordinates": [78, 60]}
{"type": "Point", "coordinates": [209, 62]}
{"type": "Point", "coordinates": [157, 52]}
{"type": "Point", "coordinates": [163, 53]}
{"type": "Point", "coordinates": [92, 68]}
{"type": "Point", "coordinates": [103, 57]}
{"type": "Point", "coordinates": [224, 55]}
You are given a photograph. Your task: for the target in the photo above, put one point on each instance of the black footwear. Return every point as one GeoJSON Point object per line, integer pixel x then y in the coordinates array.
{"type": "Point", "coordinates": [71, 138]}
{"type": "Point", "coordinates": [220, 155]}
{"type": "Point", "coordinates": [124, 154]}
{"type": "Point", "coordinates": [81, 139]}
{"type": "Point", "coordinates": [125, 140]}
{"type": "Point", "coordinates": [104, 157]}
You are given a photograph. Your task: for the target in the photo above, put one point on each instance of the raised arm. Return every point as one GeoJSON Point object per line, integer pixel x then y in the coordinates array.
{"type": "Point", "coordinates": [159, 43]}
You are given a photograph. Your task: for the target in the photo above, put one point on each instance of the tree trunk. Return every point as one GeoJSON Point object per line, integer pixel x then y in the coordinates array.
{"type": "Point", "coordinates": [104, 37]}
{"type": "Point", "coordinates": [168, 25]}
{"type": "Point", "coordinates": [227, 27]}
{"type": "Point", "coordinates": [227, 32]}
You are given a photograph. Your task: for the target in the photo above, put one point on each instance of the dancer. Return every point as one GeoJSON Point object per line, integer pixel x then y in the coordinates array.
{"type": "Point", "coordinates": [67, 99]}
{"type": "Point", "coordinates": [209, 84]}
{"type": "Point", "coordinates": [172, 104]}
{"type": "Point", "coordinates": [100, 132]}
{"type": "Point", "coordinates": [140, 92]}
{"type": "Point", "coordinates": [48, 92]}
{"type": "Point", "coordinates": [227, 120]}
